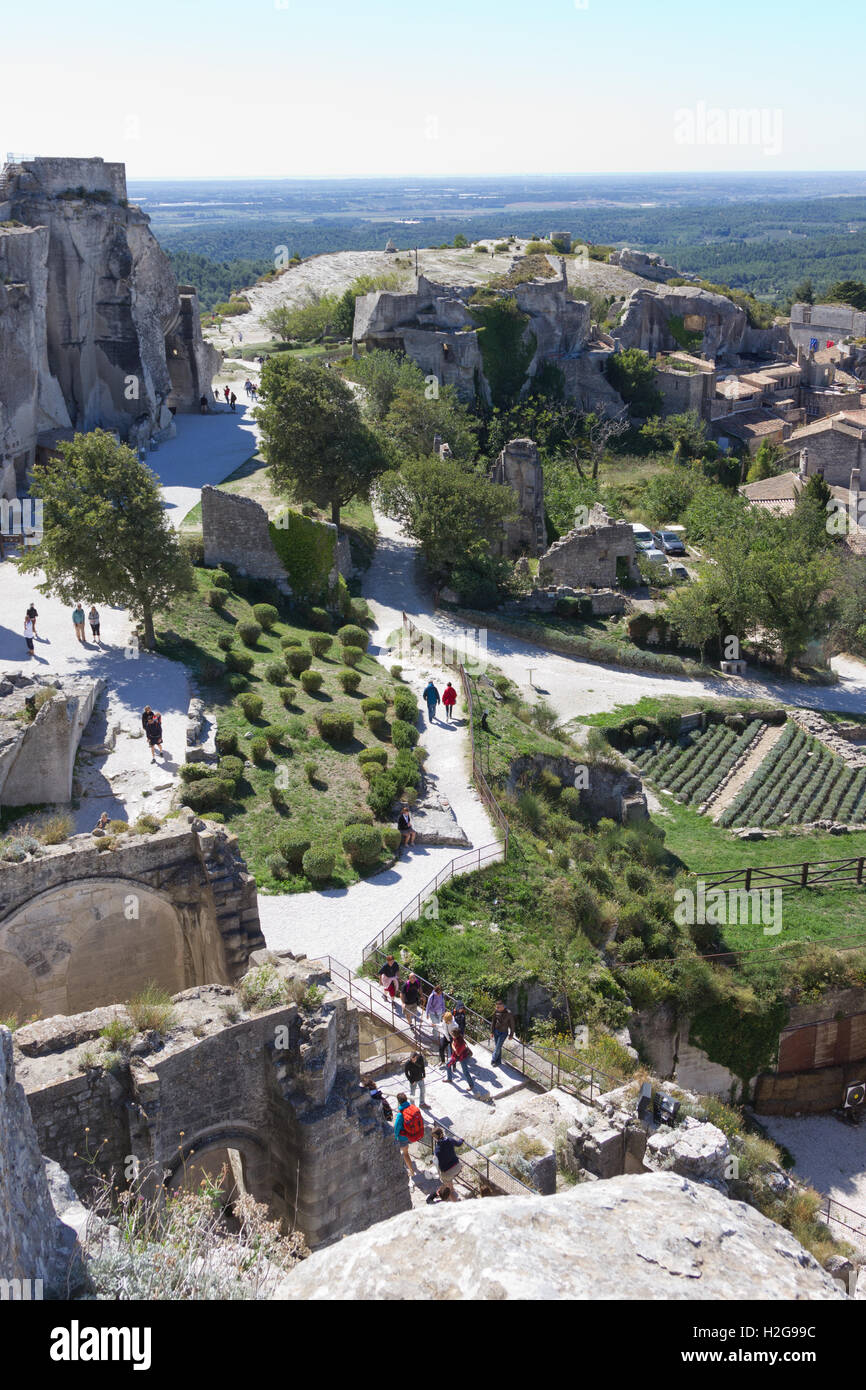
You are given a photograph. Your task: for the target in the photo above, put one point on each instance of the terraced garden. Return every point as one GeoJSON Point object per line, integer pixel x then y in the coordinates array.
{"type": "Point", "coordinates": [694, 766]}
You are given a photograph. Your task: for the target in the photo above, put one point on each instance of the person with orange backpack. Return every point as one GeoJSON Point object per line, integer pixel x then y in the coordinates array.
{"type": "Point", "coordinates": [408, 1129]}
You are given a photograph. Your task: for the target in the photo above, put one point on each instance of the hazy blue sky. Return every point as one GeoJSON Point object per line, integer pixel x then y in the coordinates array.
{"type": "Point", "coordinates": [370, 87]}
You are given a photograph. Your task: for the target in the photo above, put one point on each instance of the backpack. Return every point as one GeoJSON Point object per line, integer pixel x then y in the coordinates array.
{"type": "Point", "coordinates": [413, 1123]}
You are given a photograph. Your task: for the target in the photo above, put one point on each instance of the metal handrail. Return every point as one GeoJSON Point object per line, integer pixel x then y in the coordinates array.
{"type": "Point", "coordinates": [462, 863]}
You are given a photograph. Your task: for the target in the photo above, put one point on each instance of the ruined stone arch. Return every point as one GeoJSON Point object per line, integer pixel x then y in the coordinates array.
{"type": "Point", "coordinates": [91, 942]}
{"type": "Point", "coordinates": [238, 1147]}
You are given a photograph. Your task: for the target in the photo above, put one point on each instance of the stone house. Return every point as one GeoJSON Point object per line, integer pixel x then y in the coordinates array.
{"type": "Point", "coordinates": [598, 555]}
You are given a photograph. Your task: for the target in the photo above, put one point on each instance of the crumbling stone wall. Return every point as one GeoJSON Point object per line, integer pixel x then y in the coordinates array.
{"type": "Point", "coordinates": [37, 760]}
{"type": "Point", "coordinates": [80, 927]}
{"type": "Point", "coordinates": [587, 556]}
{"type": "Point", "coordinates": [278, 1089]}
{"type": "Point", "coordinates": [517, 467]}
{"type": "Point", "coordinates": [235, 532]}
{"type": "Point", "coordinates": [606, 790]}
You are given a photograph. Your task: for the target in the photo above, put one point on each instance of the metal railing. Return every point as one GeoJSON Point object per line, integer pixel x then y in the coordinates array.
{"type": "Point", "coordinates": [815, 873]}
{"type": "Point", "coordinates": [468, 862]}
{"type": "Point", "coordinates": [856, 1227]}
{"type": "Point", "coordinates": [485, 1170]}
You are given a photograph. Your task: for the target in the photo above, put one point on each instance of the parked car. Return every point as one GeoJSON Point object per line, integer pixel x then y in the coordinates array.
{"type": "Point", "coordinates": [643, 536]}
{"type": "Point", "coordinates": [679, 571]}
{"type": "Point", "coordinates": [653, 553]}
{"type": "Point", "coordinates": [669, 542]}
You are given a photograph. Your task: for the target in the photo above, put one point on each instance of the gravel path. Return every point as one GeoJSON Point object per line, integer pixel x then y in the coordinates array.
{"type": "Point", "coordinates": [738, 777]}
{"type": "Point", "coordinates": [831, 1155]}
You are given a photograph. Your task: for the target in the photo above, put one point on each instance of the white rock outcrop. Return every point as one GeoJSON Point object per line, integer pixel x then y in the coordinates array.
{"type": "Point", "coordinates": [654, 1236]}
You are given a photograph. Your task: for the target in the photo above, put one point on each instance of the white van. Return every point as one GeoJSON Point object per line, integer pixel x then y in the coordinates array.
{"type": "Point", "coordinates": [643, 537]}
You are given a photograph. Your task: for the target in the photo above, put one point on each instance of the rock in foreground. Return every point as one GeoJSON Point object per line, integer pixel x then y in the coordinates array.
{"type": "Point", "coordinates": [654, 1236]}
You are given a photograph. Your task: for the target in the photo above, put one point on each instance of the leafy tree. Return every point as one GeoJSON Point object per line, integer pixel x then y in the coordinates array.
{"type": "Point", "coordinates": [382, 374]}
{"type": "Point", "coordinates": [304, 323]}
{"type": "Point", "coordinates": [667, 495]}
{"type": "Point", "coordinates": [713, 512]}
{"type": "Point", "coordinates": [413, 420]}
{"type": "Point", "coordinates": [460, 241]}
{"type": "Point", "coordinates": [586, 437]}
{"type": "Point", "coordinates": [632, 374]}
{"type": "Point", "coordinates": [766, 463]}
{"type": "Point", "coordinates": [504, 351]}
{"type": "Point", "coordinates": [453, 514]}
{"type": "Point", "coordinates": [313, 437]}
{"type": "Point", "coordinates": [804, 293]}
{"type": "Point", "coordinates": [692, 614]}
{"type": "Point", "coordinates": [851, 292]}
{"type": "Point", "coordinates": [106, 536]}
{"type": "Point", "coordinates": [686, 434]}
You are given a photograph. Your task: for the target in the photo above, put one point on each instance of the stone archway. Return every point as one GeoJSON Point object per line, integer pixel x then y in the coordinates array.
{"type": "Point", "coordinates": [88, 943]}
{"type": "Point", "coordinates": [235, 1157]}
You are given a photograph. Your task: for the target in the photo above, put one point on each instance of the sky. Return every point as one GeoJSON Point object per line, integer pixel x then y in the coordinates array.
{"type": "Point", "coordinates": [368, 88]}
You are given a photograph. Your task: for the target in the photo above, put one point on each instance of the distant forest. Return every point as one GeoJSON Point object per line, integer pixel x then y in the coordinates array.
{"type": "Point", "coordinates": [767, 248]}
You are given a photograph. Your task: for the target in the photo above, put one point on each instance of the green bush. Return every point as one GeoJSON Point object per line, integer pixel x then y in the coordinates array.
{"type": "Point", "coordinates": [377, 723]}
{"type": "Point", "coordinates": [318, 864]}
{"type": "Point", "coordinates": [406, 770]}
{"type": "Point", "coordinates": [265, 615]}
{"type": "Point", "coordinates": [352, 655]}
{"type": "Point", "coordinates": [249, 633]}
{"type": "Point", "coordinates": [203, 795]}
{"type": "Point", "coordinates": [320, 619]}
{"type": "Point", "coordinates": [230, 768]}
{"type": "Point", "coordinates": [298, 659]}
{"type": "Point", "coordinates": [293, 847]}
{"type": "Point", "coordinates": [311, 770]}
{"type": "Point", "coordinates": [312, 681]}
{"type": "Point", "coordinates": [277, 866]}
{"type": "Point", "coordinates": [286, 642]}
{"type": "Point", "coordinates": [405, 706]}
{"type": "Point", "coordinates": [349, 680]}
{"type": "Point", "coordinates": [373, 755]}
{"type": "Point", "coordinates": [353, 636]}
{"type": "Point", "coordinates": [382, 794]}
{"type": "Point", "coordinates": [258, 750]}
{"type": "Point", "coordinates": [320, 643]}
{"type": "Point", "coordinates": [195, 772]}
{"type": "Point", "coordinates": [569, 800]}
{"type": "Point", "coordinates": [217, 598]}
{"type": "Point", "coordinates": [362, 843]}
{"type": "Point", "coordinates": [391, 838]}
{"type": "Point", "coordinates": [240, 662]}
{"type": "Point", "coordinates": [225, 641]}
{"type": "Point", "coordinates": [335, 727]}
{"type": "Point", "coordinates": [221, 580]}
{"type": "Point", "coordinates": [373, 702]}
{"type": "Point", "coordinates": [226, 741]}
{"type": "Point", "coordinates": [404, 735]}
{"type": "Point", "coordinates": [274, 735]}
{"type": "Point", "coordinates": [251, 705]}
{"type": "Point", "coordinates": [396, 672]}
{"type": "Point", "coordinates": [275, 673]}
{"type": "Point", "coordinates": [236, 683]}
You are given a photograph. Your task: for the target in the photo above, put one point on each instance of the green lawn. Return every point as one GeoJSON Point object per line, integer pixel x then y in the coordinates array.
{"type": "Point", "coordinates": [189, 633]}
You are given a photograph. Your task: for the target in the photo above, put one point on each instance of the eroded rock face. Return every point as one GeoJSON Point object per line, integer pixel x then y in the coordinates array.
{"type": "Point", "coordinates": [652, 1236]}
{"type": "Point", "coordinates": [87, 299]}
{"type": "Point", "coordinates": [726, 334]}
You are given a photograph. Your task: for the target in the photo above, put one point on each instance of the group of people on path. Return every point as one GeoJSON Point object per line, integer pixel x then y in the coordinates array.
{"type": "Point", "coordinates": [251, 389]}
{"type": "Point", "coordinates": [409, 1129]}
{"type": "Point", "coordinates": [151, 722]}
{"type": "Point", "coordinates": [78, 621]}
{"type": "Point", "coordinates": [448, 700]}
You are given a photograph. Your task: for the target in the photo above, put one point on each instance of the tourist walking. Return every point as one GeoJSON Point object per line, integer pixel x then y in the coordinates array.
{"type": "Point", "coordinates": [232, 401]}
{"type": "Point", "coordinates": [153, 730]}
{"type": "Point", "coordinates": [226, 394]}
{"type": "Point", "coordinates": [203, 405]}
{"type": "Point", "coordinates": [445, 1152]}
{"type": "Point", "coordinates": [431, 695]}
{"type": "Point", "coordinates": [412, 993]}
{"type": "Point", "coordinates": [146, 714]}
{"type": "Point", "coordinates": [78, 622]}
{"type": "Point", "coordinates": [414, 1071]}
{"type": "Point", "coordinates": [502, 1028]}
{"type": "Point", "coordinates": [29, 634]}
{"type": "Point", "coordinates": [435, 1009]}
{"type": "Point", "coordinates": [93, 619]}
{"type": "Point", "coordinates": [408, 1129]}
{"type": "Point", "coordinates": [460, 1055]}
{"type": "Point", "coordinates": [389, 978]}
{"type": "Point", "coordinates": [460, 1017]}
{"type": "Point", "coordinates": [404, 825]}
{"type": "Point", "coordinates": [447, 1030]}
{"type": "Point", "coordinates": [32, 614]}
{"type": "Point", "coordinates": [449, 700]}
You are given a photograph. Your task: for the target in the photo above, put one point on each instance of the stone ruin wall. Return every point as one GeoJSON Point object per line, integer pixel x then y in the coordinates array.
{"type": "Point", "coordinates": [37, 760]}
{"type": "Point", "coordinates": [278, 1090]}
{"type": "Point", "coordinates": [235, 532]}
{"type": "Point", "coordinates": [613, 792]}
{"type": "Point", "coordinates": [587, 555]}
{"type": "Point", "coordinates": [82, 927]}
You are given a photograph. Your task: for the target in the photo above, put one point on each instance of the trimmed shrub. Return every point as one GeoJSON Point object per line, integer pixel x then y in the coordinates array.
{"type": "Point", "coordinates": [318, 864]}
{"type": "Point", "coordinates": [312, 681]}
{"type": "Point", "coordinates": [241, 662]}
{"type": "Point", "coordinates": [258, 750]}
{"type": "Point", "coordinates": [382, 794]}
{"type": "Point", "coordinates": [275, 673]}
{"type": "Point", "coordinates": [406, 770]}
{"type": "Point", "coordinates": [421, 755]}
{"type": "Point", "coordinates": [203, 795]}
{"type": "Point", "coordinates": [404, 735]}
{"type": "Point", "coordinates": [221, 580]}
{"type": "Point", "coordinates": [217, 598]}
{"type": "Point", "coordinates": [226, 741]}
{"type": "Point", "coordinates": [352, 655]}
{"type": "Point", "coordinates": [298, 659]}
{"type": "Point", "coordinates": [377, 723]}
{"type": "Point", "coordinates": [373, 702]}
{"type": "Point", "coordinates": [320, 619]}
{"type": "Point", "coordinates": [349, 680]}
{"type": "Point", "coordinates": [405, 706]}
{"type": "Point", "coordinates": [373, 755]}
{"type": "Point", "coordinates": [286, 642]}
{"type": "Point", "coordinates": [311, 769]}
{"type": "Point", "coordinates": [274, 735]}
{"type": "Point", "coordinates": [236, 683]}
{"type": "Point", "coordinates": [230, 768]}
{"type": "Point", "coordinates": [362, 843]}
{"type": "Point", "coordinates": [225, 641]}
{"type": "Point", "coordinates": [320, 643]}
{"type": "Point", "coordinates": [277, 866]}
{"type": "Point", "coordinates": [359, 610]}
{"type": "Point", "coordinates": [353, 636]}
{"type": "Point", "coordinates": [265, 615]}
{"type": "Point", "coordinates": [360, 818]}
{"type": "Point", "coordinates": [251, 704]}
{"type": "Point", "coordinates": [396, 672]}
{"type": "Point", "coordinates": [336, 728]}
{"type": "Point", "coordinates": [249, 633]}
{"type": "Point", "coordinates": [195, 772]}
{"type": "Point", "coordinates": [293, 847]}
{"type": "Point", "coordinates": [287, 695]}
{"type": "Point", "coordinates": [391, 838]}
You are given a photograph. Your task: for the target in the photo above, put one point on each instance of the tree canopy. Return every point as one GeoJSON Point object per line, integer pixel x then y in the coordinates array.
{"type": "Point", "coordinates": [451, 512]}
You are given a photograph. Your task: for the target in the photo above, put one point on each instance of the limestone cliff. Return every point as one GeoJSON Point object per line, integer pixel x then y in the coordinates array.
{"type": "Point", "coordinates": [88, 303]}
{"type": "Point", "coordinates": [650, 315]}
{"type": "Point", "coordinates": [652, 1236]}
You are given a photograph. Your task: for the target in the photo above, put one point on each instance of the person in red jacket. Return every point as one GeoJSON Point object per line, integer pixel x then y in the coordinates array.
{"type": "Point", "coordinates": [449, 700]}
{"type": "Point", "coordinates": [460, 1054]}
